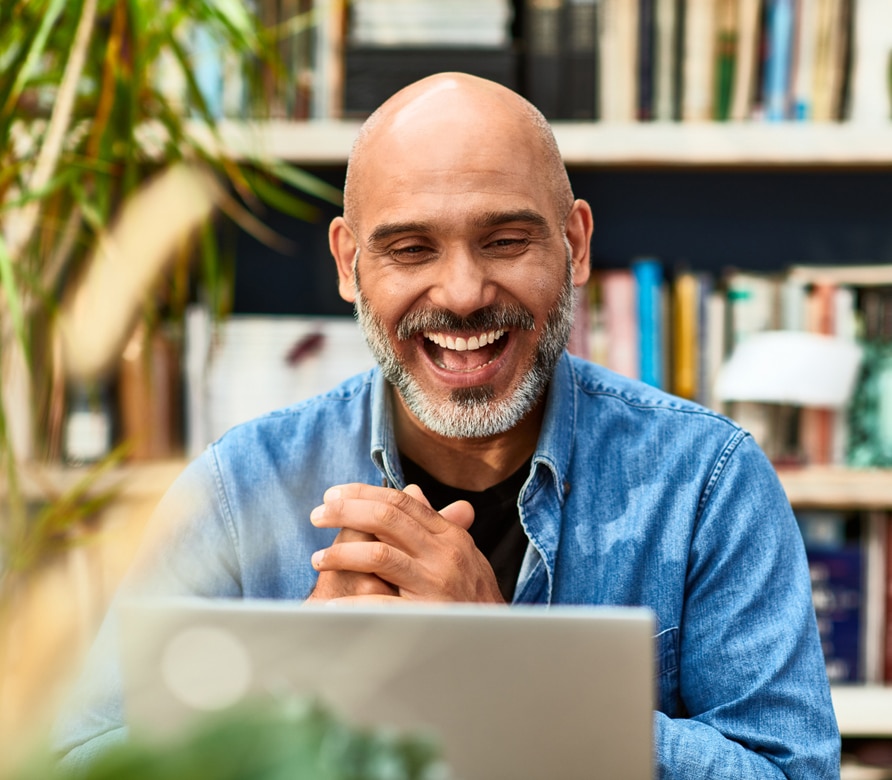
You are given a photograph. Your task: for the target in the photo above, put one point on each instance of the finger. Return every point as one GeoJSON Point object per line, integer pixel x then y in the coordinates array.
{"type": "Point", "coordinates": [415, 492]}
{"type": "Point", "coordinates": [387, 562]}
{"type": "Point", "coordinates": [460, 513]}
{"type": "Point", "coordinates": [418, 509]}
{"type": "Point", "coordinates": [392, 516]}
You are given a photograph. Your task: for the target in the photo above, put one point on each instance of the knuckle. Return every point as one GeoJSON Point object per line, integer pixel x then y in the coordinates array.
{"type": "Point", "coordinates": [380, 555]}
{"type": "Point", "coordinates": [387, 515]}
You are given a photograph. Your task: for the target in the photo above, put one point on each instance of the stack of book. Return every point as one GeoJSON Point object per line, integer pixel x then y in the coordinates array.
{"type": "Point", "coordinates": [676, 328]}
{"type": "Point", "coordinates": [699, 60]}
{"type": "Point", "coordinates": [850, 561]}
{"type": "Point", "coordinates": [391, 43]}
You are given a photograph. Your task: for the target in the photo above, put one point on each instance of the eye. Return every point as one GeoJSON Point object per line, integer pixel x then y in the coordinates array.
{"type": "Point", "coordinates": [506, 246]}
{"type": "Point", "coordinates": [411, 253]}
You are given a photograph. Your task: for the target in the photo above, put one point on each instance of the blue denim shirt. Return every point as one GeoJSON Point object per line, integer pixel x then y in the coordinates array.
{"type": "Point", "coordinates": [634, 497]}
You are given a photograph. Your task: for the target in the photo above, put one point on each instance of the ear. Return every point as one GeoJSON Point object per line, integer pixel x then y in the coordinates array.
{"type": "Point", "coordinates": [342, 244]}
{"type": "Point", "coordinates": [579, 228]}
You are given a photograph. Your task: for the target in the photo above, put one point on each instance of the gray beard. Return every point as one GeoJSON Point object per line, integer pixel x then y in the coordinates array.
{"type": "Point", "coordinates": [472, 412]}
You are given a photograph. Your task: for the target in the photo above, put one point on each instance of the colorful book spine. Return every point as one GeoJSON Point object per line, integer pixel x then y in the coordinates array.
{"type": "Point", "coordinates": [836, 564]}
{"type": "Point", "coordinates": [686, 318]}
{"type": "Point", "coordinates": [726, 59]}
{"type": "Point", "coordinates": [648, 273]}
{"type": "Point", "coordinates": [776, 87]}
{"type": "Point", "coordinates": [646, 59]}
{"type": "Point", "coordinates": [620, 318]}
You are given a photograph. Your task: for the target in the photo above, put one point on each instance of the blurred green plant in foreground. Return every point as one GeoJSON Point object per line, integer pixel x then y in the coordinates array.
{"type": "Point", "coordinates": [119, 194]}
{"type": "Point", "coordinates": [283, 740]}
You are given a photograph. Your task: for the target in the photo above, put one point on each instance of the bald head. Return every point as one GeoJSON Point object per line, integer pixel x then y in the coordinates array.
{"type": "Point", "coordinates": [458, 114]}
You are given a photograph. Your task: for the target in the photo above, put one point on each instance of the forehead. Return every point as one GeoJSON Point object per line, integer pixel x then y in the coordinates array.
{"type": "Point", "coordinates": [450, 163]}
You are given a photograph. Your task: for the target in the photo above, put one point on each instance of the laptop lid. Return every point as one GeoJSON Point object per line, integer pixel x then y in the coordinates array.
{"type": "Point", "coordinates": [520, 693]}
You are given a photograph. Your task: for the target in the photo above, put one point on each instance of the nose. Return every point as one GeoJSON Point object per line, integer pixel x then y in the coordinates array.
{"type": "Point", "coordinates": [462, 283]}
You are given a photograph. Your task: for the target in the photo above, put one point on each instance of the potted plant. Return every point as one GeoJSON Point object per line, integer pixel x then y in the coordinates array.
{"type": "Point", "coordinates": [113, 178]}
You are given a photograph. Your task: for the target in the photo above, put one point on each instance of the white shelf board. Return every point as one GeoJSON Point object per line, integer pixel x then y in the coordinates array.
{"type": "Point", "coordinates": [863, 710]}
{"type": "Point", "coordinates": [721, 144]}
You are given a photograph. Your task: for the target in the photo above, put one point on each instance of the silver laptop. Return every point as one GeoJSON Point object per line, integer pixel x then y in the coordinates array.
{"type": "Point", "coordinates": [525, 693]}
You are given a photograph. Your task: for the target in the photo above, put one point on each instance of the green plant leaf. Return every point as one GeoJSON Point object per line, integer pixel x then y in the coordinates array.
{"type": "Point", "coordinates": [34, 52]}
{"type": "Point", "coordinates": [306, 182]}
{"type": "Point", "coordinates": [13, 299]}
{"type": "Point", "coordinates": [281, 200]}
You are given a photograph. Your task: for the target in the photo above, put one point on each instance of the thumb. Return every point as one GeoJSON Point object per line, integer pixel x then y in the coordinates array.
{"type": "Point", "coordinates": [460, 513]}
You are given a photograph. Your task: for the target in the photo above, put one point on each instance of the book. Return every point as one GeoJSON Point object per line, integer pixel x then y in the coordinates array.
{"type": "Point", "coordinates": [776, 86]}
{"type": "Point", "coordinates": [836, 562]}
{"type": "Point", "coordinates": [887, 605]}
{"type": "Point", "coordinates": [619, 306]}
{"type": "Point", "coordinates": [713, 340]}
{"type": "Point", "coordinates": [842, 103]}
{"type": "Point", "coordinates": [699, 60]}
{"type": "Point", "coordinates": [646, 59]}
{"type": "Point", "coordinates": [149, 395]}
{"type": "Point", "coordinates": [804, 68]}
{"type": "Point", "coordinates": [726, 58]}
{"type": "Point", "coordinates": [875, 530]}
{"type": "Point", "coordinates": [543, 33]}
{"type": "Point", "coordinates": [373, 74]}
{"type": "Point", "coordinates": [748, 40]}
{"type": "Point", "coordinates": [816, 435]}
{"type": "Point", "coordinates": [618, 57]}
{"type": "Point", "coordinates": [648, 274]}
{"type": "Point", "coordinates": [667, 21]}
{"type": "Point", "coordinates": [686, 344]}
{"type": "Point", "coordinates": [871, 89]}
{"type": "Point", "coordinates": [578, 87]}
{"type": "Point", "coordinates": [827, 61]}
{"type": "Point", "coordinates": [327, 100]}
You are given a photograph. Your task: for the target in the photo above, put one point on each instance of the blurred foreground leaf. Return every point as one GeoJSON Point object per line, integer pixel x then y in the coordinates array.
{"type": "Point", "coordinates": [284, 740]}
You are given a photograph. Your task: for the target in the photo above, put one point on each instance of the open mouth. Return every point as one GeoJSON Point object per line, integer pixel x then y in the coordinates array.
{"type": "Point", "coordinates": [464, 352]}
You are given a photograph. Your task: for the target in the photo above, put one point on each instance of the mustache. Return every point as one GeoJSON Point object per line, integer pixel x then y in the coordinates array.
{"type": "Point", "coordinates": [497, 317]}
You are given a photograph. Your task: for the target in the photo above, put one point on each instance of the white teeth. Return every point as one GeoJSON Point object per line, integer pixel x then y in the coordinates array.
{"type": "Point", "coordinates": [460, 344]}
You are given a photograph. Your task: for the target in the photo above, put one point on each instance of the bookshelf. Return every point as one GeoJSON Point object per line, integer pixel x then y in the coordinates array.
{"type": "Point", "coordinates": [716, 150]}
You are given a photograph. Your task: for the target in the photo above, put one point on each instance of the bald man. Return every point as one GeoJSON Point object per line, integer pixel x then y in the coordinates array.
{"type": "Point", "coordinates": [479, 462]}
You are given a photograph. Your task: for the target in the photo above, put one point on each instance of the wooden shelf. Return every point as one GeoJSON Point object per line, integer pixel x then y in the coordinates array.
{"type": "Point", "coordinates": [592, 144]}
{"type": "Point", "coordinates": [863, 710]}
{"type": "Point", "coordinates": [838, 488]}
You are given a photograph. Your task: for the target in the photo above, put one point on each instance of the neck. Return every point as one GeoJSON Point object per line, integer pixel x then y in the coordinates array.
{"type": "Point", "coordinates": [472, 464]}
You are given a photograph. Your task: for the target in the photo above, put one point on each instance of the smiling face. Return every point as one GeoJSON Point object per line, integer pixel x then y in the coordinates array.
{"type": "Point", "coordinates": [461, 254]}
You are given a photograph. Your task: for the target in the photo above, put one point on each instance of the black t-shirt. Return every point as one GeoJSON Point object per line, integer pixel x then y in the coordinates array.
{"type": "Point", "coordinates": [496, 530]}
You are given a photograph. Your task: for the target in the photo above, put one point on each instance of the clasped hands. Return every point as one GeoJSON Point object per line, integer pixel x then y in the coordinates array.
{"type": "Point", "coordinates": [392, 545]}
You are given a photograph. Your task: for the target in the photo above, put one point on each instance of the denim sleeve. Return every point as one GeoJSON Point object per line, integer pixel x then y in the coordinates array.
{"type": "Point", "coordinates": [189, 549]}
{"type": "Point", "coordinates": [751, 671]}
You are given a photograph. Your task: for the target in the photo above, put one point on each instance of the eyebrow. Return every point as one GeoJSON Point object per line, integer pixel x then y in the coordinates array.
{"type": "Point", "coordinates": [487, 220]}
{"type": "Point", "coordinates": [527, 216]}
